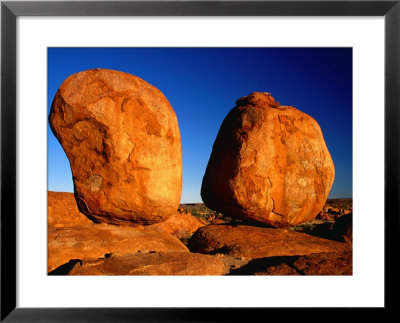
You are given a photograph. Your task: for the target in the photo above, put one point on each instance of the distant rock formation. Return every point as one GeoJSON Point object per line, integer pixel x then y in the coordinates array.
{"type": "Point", "coordinates": [269, 164]}
{"type": "Point", "coordinates": [123, 143]}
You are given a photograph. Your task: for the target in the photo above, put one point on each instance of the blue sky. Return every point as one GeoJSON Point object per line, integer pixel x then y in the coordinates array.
{"type": "Point", "coordinates": [202, 85]}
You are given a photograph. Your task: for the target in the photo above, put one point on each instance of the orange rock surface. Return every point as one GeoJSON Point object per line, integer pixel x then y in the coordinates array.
{"type": "Point", "coordinates": [123, 143]}
{"type": "Point", "coordinates": [325, 263]}
{"type": "Point", "coordinates": [335, 263]}
{"type": "Point", "coordinates": [172, 263]}
{"type": "Point", "coordinates": [97, 240]}
{"type": "Point", "coordinates": [257, 242]}
{"type": "Point", "coordinates": [179, 224]}
{"type": "Point", "coordinates": [62, 211]}
{"type": "Point", "coordinates": [269, 164]}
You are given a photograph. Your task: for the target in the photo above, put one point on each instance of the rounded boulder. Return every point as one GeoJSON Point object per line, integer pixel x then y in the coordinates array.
{"type": "Point", "coordinates": [122, 139]}
{"type": "Point", "coordinates": [269, 164]}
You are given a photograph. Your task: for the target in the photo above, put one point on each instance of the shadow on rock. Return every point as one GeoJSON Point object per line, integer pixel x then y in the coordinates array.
{"type": "Point", "coordinates": [317, 229]}
{"type": "Point", "coordinates": [271, 266]}
{"type": "Point", "coordinates": [65, 269]}
{"type": "Point", "coordinates": [325, 263]}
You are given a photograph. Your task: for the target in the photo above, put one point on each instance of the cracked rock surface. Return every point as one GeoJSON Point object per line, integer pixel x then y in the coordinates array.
{"type": "Point", "coordinates": [123, 143]}
{"type": "Point", "coordinates": [269, 164]}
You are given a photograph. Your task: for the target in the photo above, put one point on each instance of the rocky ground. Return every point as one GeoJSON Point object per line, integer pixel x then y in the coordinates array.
{"type": "Point", "coordinates": [198, 241]}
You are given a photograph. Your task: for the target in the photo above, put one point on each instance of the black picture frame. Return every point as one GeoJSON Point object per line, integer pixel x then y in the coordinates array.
{"type": "Point", "coordinates": [10, 10]}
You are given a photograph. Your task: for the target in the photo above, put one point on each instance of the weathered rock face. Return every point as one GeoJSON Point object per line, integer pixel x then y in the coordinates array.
{"type": "Point", "coordinates": [256, 242]}
{"type": "Point", "coordinates": [97, 240]}
{"type": "Point", "coordinates": [62, 211]}
{"type": "Point", "coordinates": [123, 143]}
{"type": "Point", "coordinates": [177, 263]}
{"type": "Point", "coordinates": [269, 164]}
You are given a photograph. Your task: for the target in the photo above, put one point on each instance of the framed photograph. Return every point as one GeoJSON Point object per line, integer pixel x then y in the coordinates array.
{"type": "Point", "coordinates": [120, 119]}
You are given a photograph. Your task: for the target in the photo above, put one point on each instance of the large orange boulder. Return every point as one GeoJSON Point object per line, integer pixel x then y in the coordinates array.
{"type": "Point", "coordinates": [97, 240]}
{"type": "Point", "coordinates": [269, 164]}
{"type": "Point", "coordinates": [123, 143]}
{"type": "Point", "coordinates": [258, 242]}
